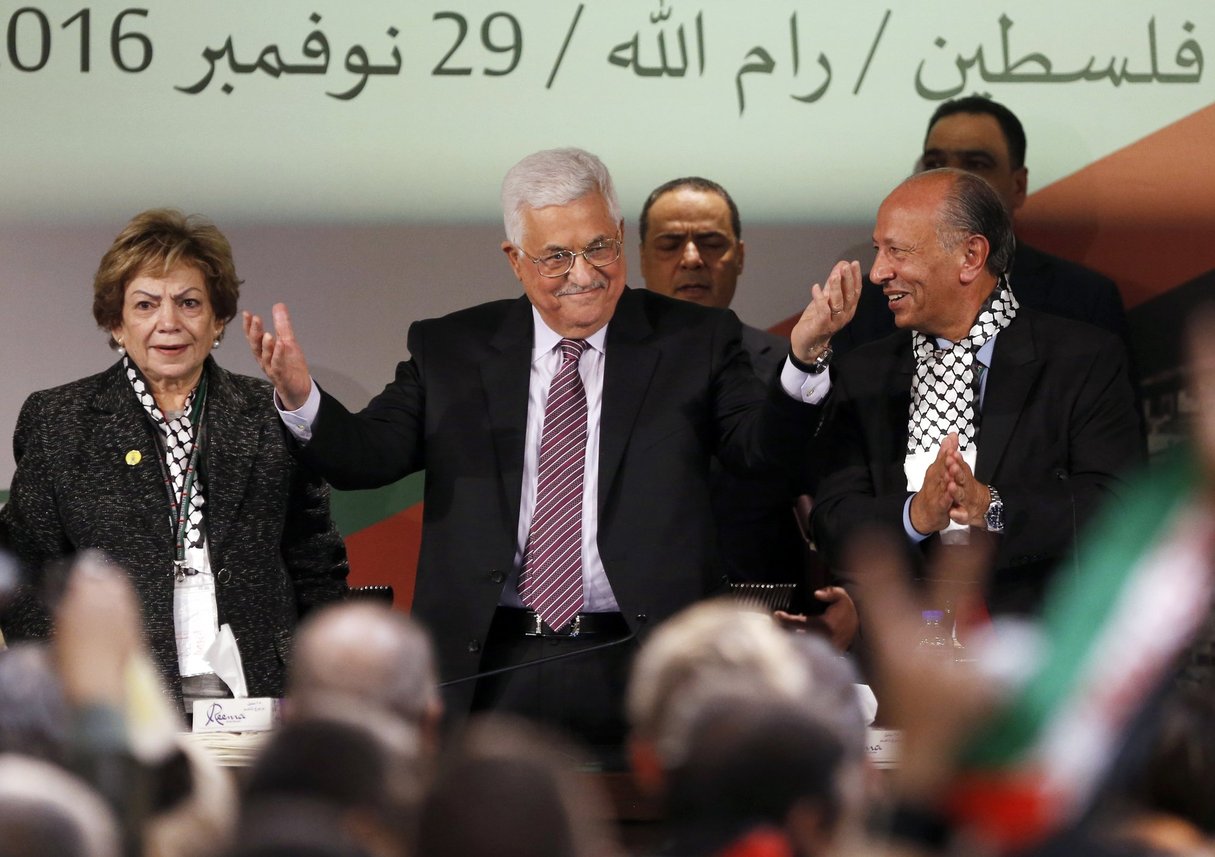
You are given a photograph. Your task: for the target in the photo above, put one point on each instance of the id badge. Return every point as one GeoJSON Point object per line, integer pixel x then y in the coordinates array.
{"type": "Point", "coordinates": [195, 620]}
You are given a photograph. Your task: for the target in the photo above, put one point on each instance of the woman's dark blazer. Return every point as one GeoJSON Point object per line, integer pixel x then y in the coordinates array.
{"type": "Point", "coordinates": [273, 546]}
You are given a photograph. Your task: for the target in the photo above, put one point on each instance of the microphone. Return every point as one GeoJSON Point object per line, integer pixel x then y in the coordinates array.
{"type": "Point", "coordinates": [547, 659]}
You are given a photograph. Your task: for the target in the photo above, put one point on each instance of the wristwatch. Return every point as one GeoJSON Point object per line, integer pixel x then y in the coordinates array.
{"type": "Point", "coordinates": [994, 516]}
{"type": "Point", "coordinates": [819, 365]}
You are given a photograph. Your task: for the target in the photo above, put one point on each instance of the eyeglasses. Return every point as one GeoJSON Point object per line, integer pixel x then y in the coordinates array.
{"type": "Point", "coordinates": [600, 254]}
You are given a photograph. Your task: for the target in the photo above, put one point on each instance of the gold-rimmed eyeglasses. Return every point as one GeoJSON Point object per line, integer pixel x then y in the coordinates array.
{"type": "Point", "coordinates": [600, 254]}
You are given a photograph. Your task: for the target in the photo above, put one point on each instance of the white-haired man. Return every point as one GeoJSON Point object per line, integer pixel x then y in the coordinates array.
{"type": "Point", "coordinates": [566, 438]}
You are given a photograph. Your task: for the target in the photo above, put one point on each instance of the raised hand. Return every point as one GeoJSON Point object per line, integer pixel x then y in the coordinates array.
{"type": "Point", "coordinates": [280, 356]}
{"type": "Point", "coordinates": [97, 632]}
{"type": "Point", "coordinates": [831, 307]}
{"type": "Point", "coordinates": [937, 705]}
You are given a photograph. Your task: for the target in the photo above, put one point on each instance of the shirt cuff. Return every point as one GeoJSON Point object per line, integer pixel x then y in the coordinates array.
{"type": "Point", "coordinates": [299, 422]}
{"type": "Point", "coordinates": [912, 533]}
{"type": "Point", "coordinates": [804, 386]}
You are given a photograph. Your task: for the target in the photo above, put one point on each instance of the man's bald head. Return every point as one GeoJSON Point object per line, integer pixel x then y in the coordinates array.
{"type": "Point", "coordinates": [360, 652]}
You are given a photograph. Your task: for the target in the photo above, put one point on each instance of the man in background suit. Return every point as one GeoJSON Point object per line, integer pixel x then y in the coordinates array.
{"type": "Point", "coordinates": [977, 413]}
{"type": "Point", "coordinates": [665, 385]}
{"type": "Point", "coordinates": [984, 137]}
{"type": "Point", "coordinates": [692, 250]}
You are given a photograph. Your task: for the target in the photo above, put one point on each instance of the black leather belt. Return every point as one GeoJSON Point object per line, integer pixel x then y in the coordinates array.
{"type": "Point", "coordinates": [527, 623]}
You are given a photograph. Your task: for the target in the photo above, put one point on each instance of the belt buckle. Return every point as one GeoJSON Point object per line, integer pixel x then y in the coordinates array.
{"type": "Point", "coordinates": [535, 626]}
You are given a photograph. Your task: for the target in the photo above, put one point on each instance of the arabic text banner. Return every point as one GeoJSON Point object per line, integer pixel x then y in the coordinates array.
{"type": "Point", "coordinates": [388, 111]}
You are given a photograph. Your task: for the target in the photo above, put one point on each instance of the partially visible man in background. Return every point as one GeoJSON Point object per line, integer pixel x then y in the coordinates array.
{"type": "Point", "coordinates": [692, 250]}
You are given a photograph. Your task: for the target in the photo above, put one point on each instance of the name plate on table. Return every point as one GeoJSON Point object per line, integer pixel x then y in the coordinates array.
{"type": "Point", "coordinates": [884, 747]}
{"type": "Point", "coordinates": [254, 714]}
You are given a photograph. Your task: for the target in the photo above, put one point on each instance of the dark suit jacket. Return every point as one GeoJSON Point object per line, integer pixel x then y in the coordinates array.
{"type": "Point", "coordinates": [1058, 429]}
{"type": "Point", "coordinates": [268, 526]}
{"type": "Point", "coordinates": [757, 532]}
{"type": "Point", "coordinates": [1039, 280]}
{"type": "Point", "coordinates": [677, 389]}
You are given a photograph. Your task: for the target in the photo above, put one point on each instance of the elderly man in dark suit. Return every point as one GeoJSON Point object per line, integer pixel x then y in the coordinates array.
{"type": "Point", "coordinates": [566, 438]}
{"type": "Point", "coordinates": [692, 249]}
{"type": "Point", "coordinates": [978, 412]}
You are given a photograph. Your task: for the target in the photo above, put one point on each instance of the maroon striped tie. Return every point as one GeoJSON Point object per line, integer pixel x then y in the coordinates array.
{"type": "Point", "coordinates": [551, 579]}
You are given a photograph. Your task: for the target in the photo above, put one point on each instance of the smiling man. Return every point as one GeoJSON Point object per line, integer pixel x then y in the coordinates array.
{"type": "Point", "coordinates": [985, 138]}
{"type": "Point", "coordinates": [566, 437]}
{"type": "Point", "coordinates": [978, 413]}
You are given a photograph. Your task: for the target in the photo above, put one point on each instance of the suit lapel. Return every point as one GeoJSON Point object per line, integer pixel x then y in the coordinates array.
{"type": "Point", "coordinates": [630, 364]}
{"type": "Point", "coordinates": [233, 428]}
{"type": "Point", "coordinates": [123, 445]}
{"type": "Point", "coordinates": [505, 379]}
{"type": "Point", "coordinates": [1015, 368]}
{"type": "Point", "coordinates": [755, 343]}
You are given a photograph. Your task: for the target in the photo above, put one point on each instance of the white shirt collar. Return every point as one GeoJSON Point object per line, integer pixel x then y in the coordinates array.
{"type": "Point", "coordinates": [545, 339]}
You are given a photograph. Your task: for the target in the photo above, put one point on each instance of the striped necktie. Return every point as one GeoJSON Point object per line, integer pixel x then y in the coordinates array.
{"type": "Point", "coordinates": [551, 579]}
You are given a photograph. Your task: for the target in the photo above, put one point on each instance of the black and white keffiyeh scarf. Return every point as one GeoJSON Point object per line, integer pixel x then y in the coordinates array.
{"type": "Point", "coordinates": [180, 434]}
{"type": "Point", "coordinates": [945, 394]}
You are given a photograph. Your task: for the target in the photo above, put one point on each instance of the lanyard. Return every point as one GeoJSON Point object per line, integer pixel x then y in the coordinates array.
{"type": "Point", "coordinates": [179, 506]}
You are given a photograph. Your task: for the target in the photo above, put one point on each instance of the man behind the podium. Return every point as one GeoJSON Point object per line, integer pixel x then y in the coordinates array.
{"type": "Point", "coordinates": [666, 385]}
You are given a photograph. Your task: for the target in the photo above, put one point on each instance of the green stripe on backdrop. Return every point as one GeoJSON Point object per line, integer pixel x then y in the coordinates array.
{"type": "Point", "coordinates": [358, 510]}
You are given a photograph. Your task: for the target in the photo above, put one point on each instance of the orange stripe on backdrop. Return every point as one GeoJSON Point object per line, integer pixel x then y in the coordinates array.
{"type": "Point", "coordinates": [1144, 215]}
{"type": "Point", "coordinates": [386, 553]}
